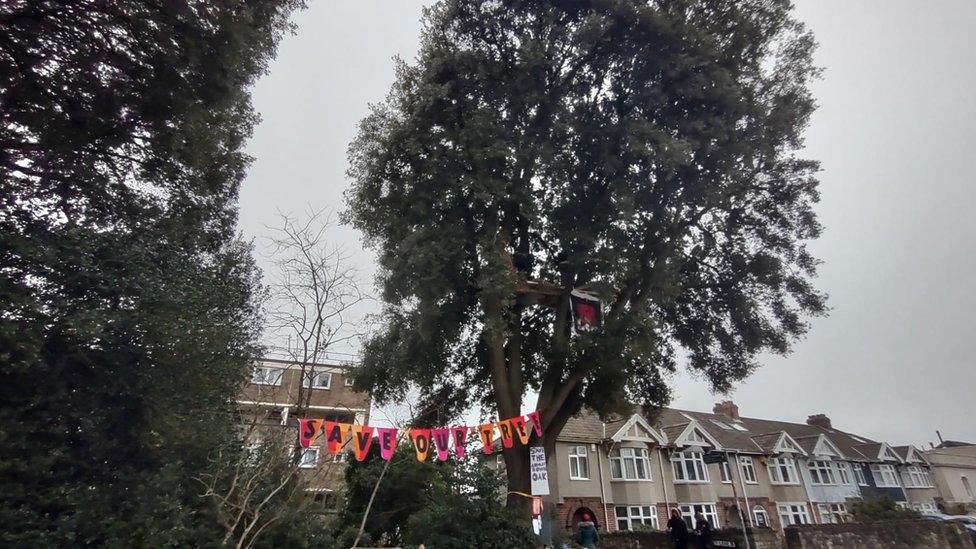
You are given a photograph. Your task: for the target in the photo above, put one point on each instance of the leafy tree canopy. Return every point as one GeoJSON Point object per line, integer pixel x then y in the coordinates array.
{"type": "Point", "coordinates": [127, 308]}
{"type": "Point", "coordinates": [645, 151]}
{"type": "Point", "coordinates": [881, 509]}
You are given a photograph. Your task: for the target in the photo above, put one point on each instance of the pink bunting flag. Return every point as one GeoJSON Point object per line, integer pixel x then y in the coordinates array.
{"type": "Point", "coordinates": [306, 430]}
{"type": "Point", "coordinates": [388, 440]}
{"type": "Point", "coordinates": [536, 419]}
{"type": "Point", "coordinates": [442, 439]}
{"type": "Point", "coordinates": [460, 436]}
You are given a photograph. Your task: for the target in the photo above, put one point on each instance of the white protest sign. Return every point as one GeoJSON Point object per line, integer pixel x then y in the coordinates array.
{"type": "Point", "coordinates": [537, 468]}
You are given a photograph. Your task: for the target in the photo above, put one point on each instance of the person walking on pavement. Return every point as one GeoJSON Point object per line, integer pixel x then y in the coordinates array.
{"type": "Point", "coordinates": [704, 529]}
{"type": "Point", "coordinates": [678, 530]}
{"type": "Point", "coordinates": [586, 534]}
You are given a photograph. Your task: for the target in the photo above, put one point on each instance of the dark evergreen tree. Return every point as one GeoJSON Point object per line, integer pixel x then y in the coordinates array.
{"type": "Point", "coordinates": [127, 308]}
{"type": "Point", "coordinates": [645, 151]}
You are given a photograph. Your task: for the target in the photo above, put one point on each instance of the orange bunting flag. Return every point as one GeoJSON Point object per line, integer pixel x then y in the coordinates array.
{"type": "Point", "coordinates": [442, 441]}
{"type": "Point", "coordinates": [487, 433]}
{"type": "Point", "coordinates": [388, 441]}
{"type": "Point", "coordinates": [421, 442]}
{"type": "Point", "coordinates": [362, 437]}
{"type": "Point", "coordinates": [308, 431]}
{"type": "Point", "coordinates": [336, 434]}
{"type": "Point", "coordinates": [518, 423]}
{"type": "Point", "coordinates": [460, 436]}
{"type": "Point", "coordinates": [505, 428]}
{"type": "Point", "coordinates": [536, 419]}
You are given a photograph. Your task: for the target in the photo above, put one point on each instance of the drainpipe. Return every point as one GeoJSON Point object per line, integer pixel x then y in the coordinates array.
{"type": "Point", "coordinates": [603, 492]}
{"type": "Point", "coordinates": [664, 484]}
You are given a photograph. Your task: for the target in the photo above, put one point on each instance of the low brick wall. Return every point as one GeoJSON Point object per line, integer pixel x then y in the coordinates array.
{"type": "Point", "coordinates": [909, 534]}
{"type": "Point", "coordinates": [760, 538]}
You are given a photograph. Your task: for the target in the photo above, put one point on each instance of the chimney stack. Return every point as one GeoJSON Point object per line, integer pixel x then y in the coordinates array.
{"type": "Point", "coordinates": [726, 408]}
{"type": "Point", "coordinates": [819, 420]}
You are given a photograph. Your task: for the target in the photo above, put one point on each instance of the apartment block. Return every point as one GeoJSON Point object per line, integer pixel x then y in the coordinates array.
{"type": "Point", "coordinates": [279, 389]}
{"type": "Point", "coordinates": [629, 472]}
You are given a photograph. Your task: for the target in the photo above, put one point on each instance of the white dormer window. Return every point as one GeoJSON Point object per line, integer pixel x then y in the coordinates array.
{"type": "Point", "coordinates": [263, 375]}
{"type": "Point", "coordinates": [689, 467]}
{"type": "Point", "coordinates": [318, 380]}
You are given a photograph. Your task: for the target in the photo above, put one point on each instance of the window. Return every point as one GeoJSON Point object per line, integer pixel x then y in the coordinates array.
{"type": "Point", "coordinates": [310, 456]}
{"type": "Point", "coordinates": [748, 470]}
{"type": "Point", "coordinates": [917, 477]}
{"type": "Point", "coordinates": [318, 380]}
{"type": "Point", "coordinates": [844, 472]}
{"type": "Point", "coordinates": [263, 375]}
{"type": "Point", "coordinates": [782, 471]}
{"type": "Point", "coordinates": [927, 508]}
{"type": "Point", "coordinates": [859, 475]}
{"type": "Point", "coordinates": [725, 426]}
{"type": "Point", "coordinates": [689, 467]}
{"type": "Point", "coordinates": [630, 464]}
{"type": "Point", "coordinates": [347, 380]}
{"type": "Point", "coordinates": [689, 511]}
{"type": "Point", "coordinates": [821, 473]}
{"type": "Point", "coordinates": [499, 462]}
{"type": "Point", "coordinates": [578, 463]}
{"type": "Point", "coordinates": [739, 427]}
{"type": "Point", "coordinates": [628, 518]}
{"type": "Point", "coordinates": [793, 513]}
{"type": "Point", "coordinates": [967, 487]}
{"type": "Point", "coordinates": [726, 472]}
{"type": "Point", "coordinates": [761, 517]}
{"type": "Point", "coordinates": [884, 476]}
{"type": "Point", "coordinates": [833, 513]}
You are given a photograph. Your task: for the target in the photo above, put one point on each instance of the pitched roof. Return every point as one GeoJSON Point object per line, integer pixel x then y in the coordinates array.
{"type": "Point", "coordinates": [731, 434]}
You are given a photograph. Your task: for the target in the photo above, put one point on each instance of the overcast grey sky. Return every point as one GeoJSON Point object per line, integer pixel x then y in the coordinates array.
{"type": "Point", "coordinates": [895, 132]}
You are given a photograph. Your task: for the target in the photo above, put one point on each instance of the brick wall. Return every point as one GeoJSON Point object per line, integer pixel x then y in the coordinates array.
{"type": "Point", "coordinates": [759, 539]}
{"type": "Point", "coordinates": [912, 534]}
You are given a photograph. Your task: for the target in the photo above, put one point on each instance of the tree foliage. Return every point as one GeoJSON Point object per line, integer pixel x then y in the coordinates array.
{"type": "Point", "coordinates": [128, 307]}
{"type": "Point", "coordinates": [645, 151]}
{"type": "Point", "coordinates": [880, 509]}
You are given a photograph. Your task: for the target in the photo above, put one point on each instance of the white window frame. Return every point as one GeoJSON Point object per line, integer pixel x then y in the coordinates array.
{"type": "Point", "coordinates": [748, 468]}
{"type": "Point", "coordinates": [862, 480]}
{"type": "Point", "coordinates": [620, 458]}
{"type": "Point", "coordinates": [885, 475]}
{"type": "Point", "coordinates": [709, 510]}
{"type": "Point", "coordinates": [760, 511]}
{"type": "Point", "coordinates": [309, 464]}
{"type": "Point", "coordinates": [347, 380]}
{"type": "Point", "coordinates": [633, 515]}
{"type": "Point", "coordinates": [791, 513]}
{"type": "Point", "coordinates": [580, 456]}
{"type": "Point", "coordinates": [964, 480]}
{"type": "Point", "coordinates": [777, 466]}
{"type": "Point", "coordinates": [686, 465]}
{"type": "Point", "coordinates": [264, 377]}
{"type": "Point", "coordinates": [725, 472]}
{"type": "Point", "coordinates": [916, 476]}
{"type": "Point", "coordinates": [844, 473]}
{"type": "Point", "coordinates": [311, 376]}
{"type": "Point", "coordinates": [821, 473]}
{"type": "Point", "coordinates": [926, 507]}
{"type": "Point", "coordinates": [833, 513]}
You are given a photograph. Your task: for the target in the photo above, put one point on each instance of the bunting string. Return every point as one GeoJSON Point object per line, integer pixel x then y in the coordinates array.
{"type": "Point", "coordinates": [437, 441]}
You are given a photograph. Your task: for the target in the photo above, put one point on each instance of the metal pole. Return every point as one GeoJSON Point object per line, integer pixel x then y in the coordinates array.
{"type": "Point", "coordinates": [735, 496]}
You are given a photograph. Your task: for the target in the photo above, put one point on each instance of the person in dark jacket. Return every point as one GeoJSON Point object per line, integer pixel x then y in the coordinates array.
{"type": "Point", "coordinates": [704, 529]}
{"type": "Point", "coordinates": [678, 530]}
{"type": "Point", "coordinates": [586, 534]}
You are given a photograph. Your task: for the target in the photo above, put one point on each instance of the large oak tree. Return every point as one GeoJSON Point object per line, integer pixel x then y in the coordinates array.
{"type": "Point", "coordinates": [645, 151]}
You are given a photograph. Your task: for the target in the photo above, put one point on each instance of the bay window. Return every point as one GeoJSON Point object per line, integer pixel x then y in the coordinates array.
{"type": "Point", "coordinates": [884, 475]}
{"type": "Point", "coordinates": [630, 464]}
{"type": "Point", "coordinates": [821, 473]}
{"type": "Point", "coordinates": [689, 467]}
{"type": "Point", "coordinates": [782, 471]}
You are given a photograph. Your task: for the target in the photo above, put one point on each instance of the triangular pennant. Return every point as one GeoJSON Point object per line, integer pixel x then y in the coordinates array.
{"type": "Point", "coordinates": [336, 434]}
{"type": "Point", "coordinates": [536, 419]}
{"type": "Point", "coordinates": [460, 436]}
{"type": "Point", "coordinates": [308, 431]}
{"type": "Point", "coordinates": [507, 432]}
{"type": "Point", "coordinates": [487, 433]}
{"type": "Point", "coordinates": [518, 423]}
{"type": "Point", "coordinates": [388, 440]}
{"type": "Point", "coordinates": [442, 441]}
{"type": "Point", "coordinates": [421, 442]}
{"type": "Point", "coordinates": [362, 436]}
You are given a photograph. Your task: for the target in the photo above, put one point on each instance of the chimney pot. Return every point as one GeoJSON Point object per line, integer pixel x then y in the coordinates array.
{"type": "Point", "coordinates": [726, 408]}
{"type": "Point", "coordinates": [819, 420]}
